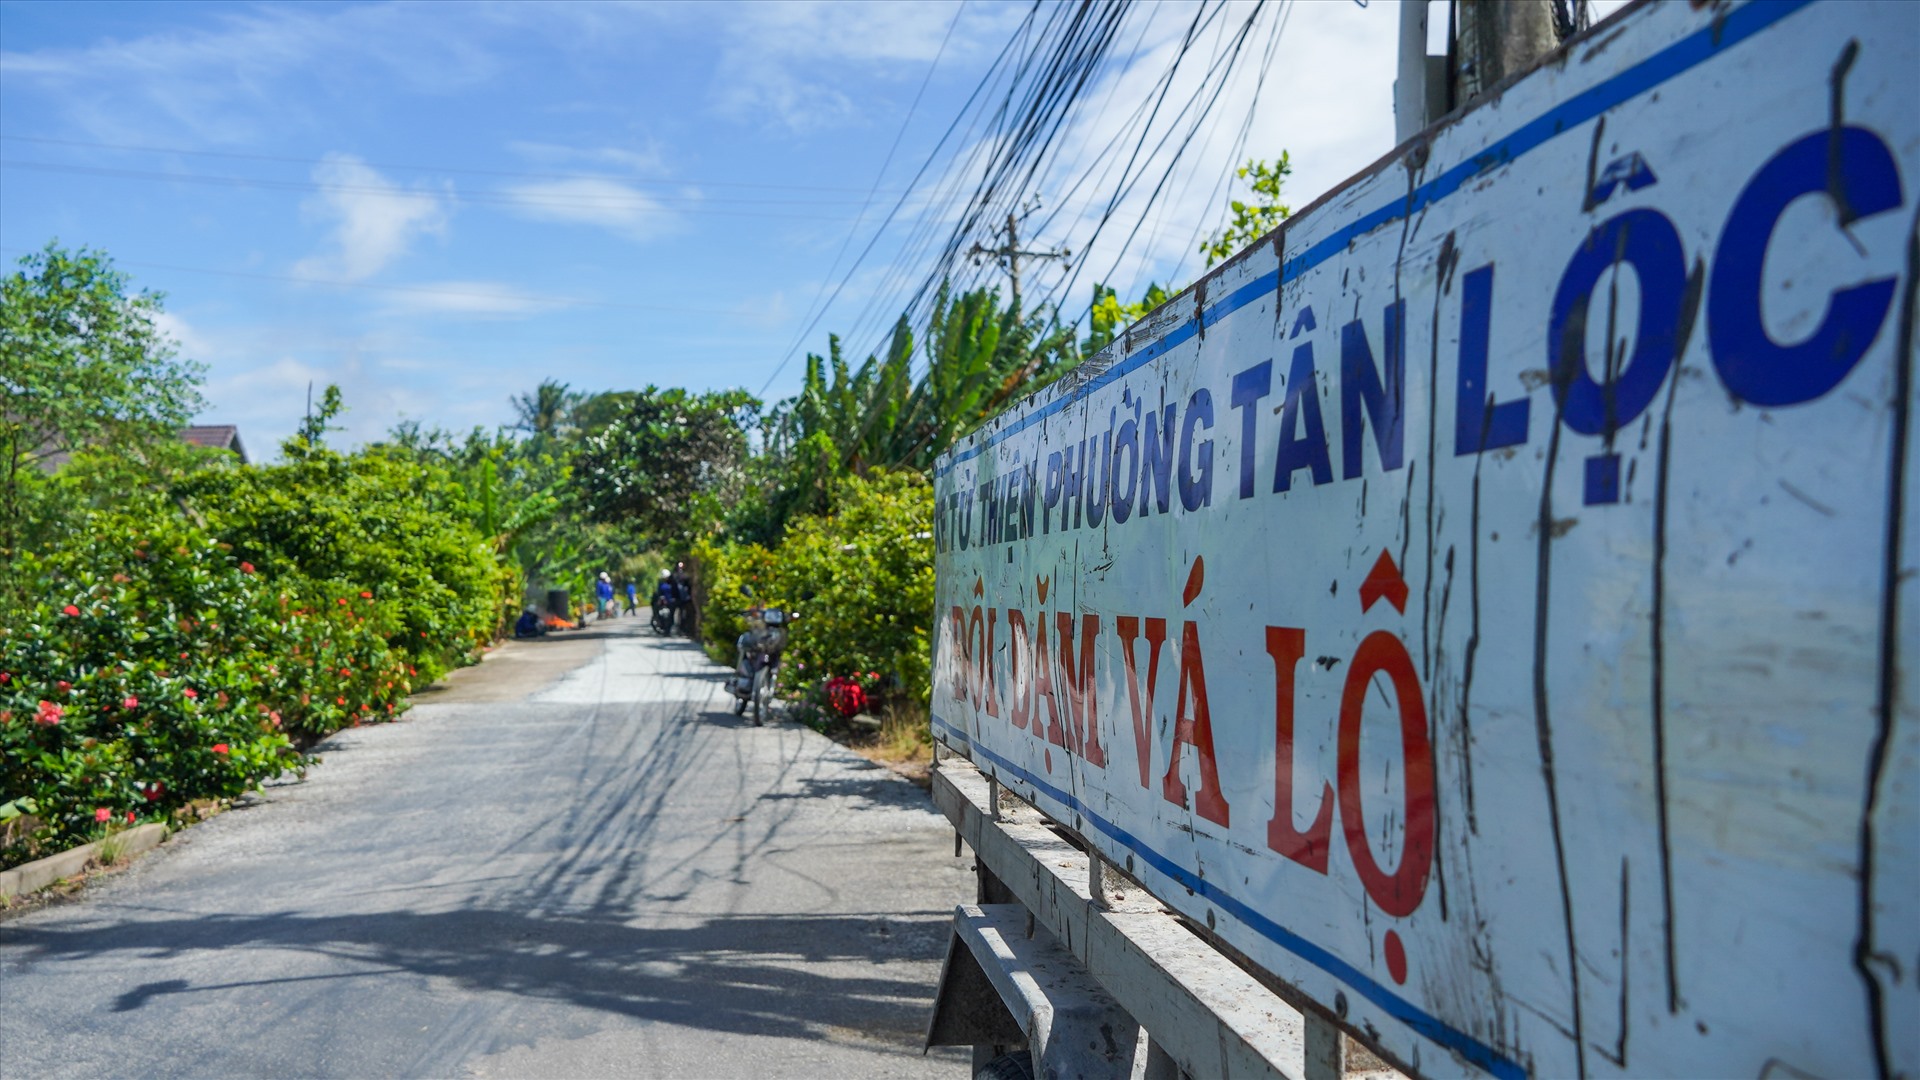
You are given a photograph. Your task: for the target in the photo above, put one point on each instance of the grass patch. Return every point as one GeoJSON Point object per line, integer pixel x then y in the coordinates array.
{"type": "Point", "coordinates": [112, 847]}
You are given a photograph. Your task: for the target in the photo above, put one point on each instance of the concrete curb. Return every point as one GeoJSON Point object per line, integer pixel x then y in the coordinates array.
{"type": "Point", "coordinates": [41, 873]}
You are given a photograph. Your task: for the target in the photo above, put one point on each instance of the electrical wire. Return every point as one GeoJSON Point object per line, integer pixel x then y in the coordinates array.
{"type": "Point", "coordinates": [436, 169]}
{"type": "Point", "coordinates": [554, 302]}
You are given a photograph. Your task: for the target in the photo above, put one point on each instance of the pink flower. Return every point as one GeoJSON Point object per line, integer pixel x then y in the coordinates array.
{"type": "Point", "coordinates": [191, 692]}
{"type": "Point", "coordinates": [246, 568]}
{"type": "Point", "coordinates": [5, 678]}
{"type": "Point", "coordinates": [131, 702]}
{"type": "Point", "coordinates": [49, 714]}
{"type": "Point", "coordinates": [219, 748]}
{"type": "Point", "coordinates": [70, 610]}
{"type": "Point", "coordinates": [102, 814]}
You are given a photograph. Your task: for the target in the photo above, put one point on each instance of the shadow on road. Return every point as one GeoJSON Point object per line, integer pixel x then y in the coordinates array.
{"type": "Point", "coordinates": [745, 974]}
{"type": "Point", "coordinates": [861, 787]}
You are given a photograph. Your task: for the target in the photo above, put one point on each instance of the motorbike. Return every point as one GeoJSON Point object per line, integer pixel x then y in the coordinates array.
{"type": "Point", "coordinates": [663, 618]}
{"type": "Point", "coordinates": [759, 668]}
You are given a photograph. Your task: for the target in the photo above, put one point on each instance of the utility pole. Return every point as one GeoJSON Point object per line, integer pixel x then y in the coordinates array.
{"type": "Point", "coordinates": [1498, 38]}
{"type": "Point", "coordinates": [1009, 253]}
{"type": "Point", "coordinates": [1488, 40]}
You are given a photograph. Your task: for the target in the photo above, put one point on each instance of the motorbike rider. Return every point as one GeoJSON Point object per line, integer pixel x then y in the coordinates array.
{"type": "Point", "coordinates": [666, 598]}
{"type": "Point", "coordinates": [683, 589]}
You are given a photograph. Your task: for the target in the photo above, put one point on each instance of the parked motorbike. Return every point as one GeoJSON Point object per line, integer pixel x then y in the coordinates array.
{"type": "Point", "coordinates": [759, 667]}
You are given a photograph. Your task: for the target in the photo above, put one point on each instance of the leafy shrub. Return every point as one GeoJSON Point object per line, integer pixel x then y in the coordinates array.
{"type": "Point", "coordinates": [722, 570]}
{"type": "Point", "coordinates": [862, 577]}
{"type": "Point", "coordinates": [157, 668]}
{"type": "Point", "coordinates": [378, 519]}
{"type": "Point", "coordinates": [869, 565]}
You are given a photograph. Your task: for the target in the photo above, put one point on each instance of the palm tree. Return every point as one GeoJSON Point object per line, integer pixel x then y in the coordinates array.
{"type": "Point", "coordinates": [543, 412]}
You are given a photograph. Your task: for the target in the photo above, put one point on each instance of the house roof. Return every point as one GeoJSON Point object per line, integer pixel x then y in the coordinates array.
{"type": "Point", "coordinates": [219, 436]}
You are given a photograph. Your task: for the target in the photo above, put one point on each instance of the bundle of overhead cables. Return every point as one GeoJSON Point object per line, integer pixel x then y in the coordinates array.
{"type": "Point", "coordinates": [1079, 134]}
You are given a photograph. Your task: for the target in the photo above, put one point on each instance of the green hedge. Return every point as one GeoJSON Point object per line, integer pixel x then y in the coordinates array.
{"type": "Point", "coordinates": [861, 576]}
{"type": "Point", "coordinates": [158, 669]}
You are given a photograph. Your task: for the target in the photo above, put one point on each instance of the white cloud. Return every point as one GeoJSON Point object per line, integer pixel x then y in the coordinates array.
{"type": "Point", "coordinates": [648, 160]}
{"type": "Point", "coordinates": [374, 222]}
{"type": "Point", "coordinates": [190, 343]}
{"type": "Point", "coordinates": [605, 203]}
{"type": "Point", "coordinates": [785, 61]}
{"type": "Point", "coordinates": [223, 83]}
{"type": "Point", "coordinates": [476, 299]}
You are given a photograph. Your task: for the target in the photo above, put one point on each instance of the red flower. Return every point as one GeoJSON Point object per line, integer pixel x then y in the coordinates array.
{"type": "Point", "coordinates": [102, 814]}
{"type": "Point", "coordinates": [346, 671]}
{"type": "Point", "coordinates": [64, 685]}
{"type": "Point", "coordinates": [246, 568]}
{"type": "Point", "coordinates": [366, 596]}
{"type": "Point", "coordinates": [5, 678]}
{"type": "Point", "coordinates": [339, 701]}
{"type": "Point", "coordinates": [154, 792]}
{"type": "Point", "coordinates": [219, 748]}
{"type": "Point", "coordinates": [131, 702]}
{"type": "Point", "coordinates": [49, 714]}
{"type": "Point", "coordinates": [129, 817]}
{"type": "Point", "coordinates": [343, 601]}
{"type": "Point", "coordinates": [191, 693]}
{"type": "Point", "coordinates": [70, 610]}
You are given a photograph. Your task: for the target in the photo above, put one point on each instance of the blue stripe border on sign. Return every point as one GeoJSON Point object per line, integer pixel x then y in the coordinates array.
{"type": "Point", "coordinates": [1675, 59]}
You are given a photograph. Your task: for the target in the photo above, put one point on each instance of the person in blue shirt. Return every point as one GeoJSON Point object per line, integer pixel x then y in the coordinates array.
{"type": "Point", "coordinates": [604, 590]}
{"type": "Point", "coordinates": [633, 598]}
{"type": "Point", "coordinates": [529, 625]}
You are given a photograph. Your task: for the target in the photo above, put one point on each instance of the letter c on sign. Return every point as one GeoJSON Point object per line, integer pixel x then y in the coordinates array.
{"type": "Point", "coordinates": [1400, 892]}
{"type": "Point", "coordinates": [1753, 366]}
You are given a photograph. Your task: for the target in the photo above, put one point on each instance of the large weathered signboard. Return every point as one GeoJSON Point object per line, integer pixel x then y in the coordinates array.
{"type": "Point", "coordinates": [1486, 603]}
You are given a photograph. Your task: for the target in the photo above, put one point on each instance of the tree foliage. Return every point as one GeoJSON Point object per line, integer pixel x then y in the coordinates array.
{"type": "Point", "coordinates": [1261, 213]}
{"type": "Point", "coordinates": [668, 462]}
{"type": "Point", "coordinates": [83, 361]}
{"type": "Point", "coordinates": [379, 517]}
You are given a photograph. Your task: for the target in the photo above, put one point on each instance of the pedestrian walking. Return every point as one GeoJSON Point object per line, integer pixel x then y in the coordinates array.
{"type": "Point", "coordinates": [604, 589]}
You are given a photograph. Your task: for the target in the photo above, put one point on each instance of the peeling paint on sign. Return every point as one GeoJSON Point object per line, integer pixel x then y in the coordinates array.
{"type": "Point", "coordinates": [1486, 603]}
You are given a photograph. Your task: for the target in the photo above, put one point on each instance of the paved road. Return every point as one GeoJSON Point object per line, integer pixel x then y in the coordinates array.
{"type": "Point", "coordinates": [609, 876]}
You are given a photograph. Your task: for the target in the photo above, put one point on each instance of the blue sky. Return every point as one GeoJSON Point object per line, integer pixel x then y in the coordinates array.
{"type": "Point", "coordinates": [437, 206]}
